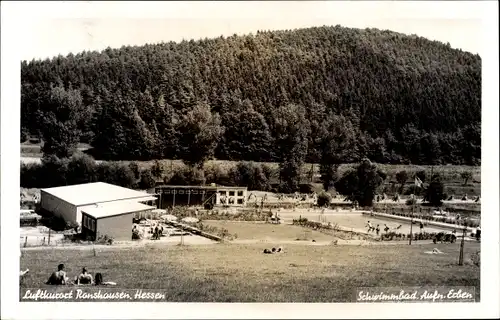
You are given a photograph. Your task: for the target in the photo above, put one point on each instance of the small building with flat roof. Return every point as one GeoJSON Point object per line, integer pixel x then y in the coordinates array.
{"type": "Point", "coordinates": [113, 219]}
{"type": "Point", "coordinates": [67, 202]}
{"type": "Point", "coordinates": [171, 196]}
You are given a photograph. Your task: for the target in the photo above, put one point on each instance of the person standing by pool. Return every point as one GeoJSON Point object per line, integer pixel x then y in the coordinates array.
{"type": "Point", "coordinates": [370, 226]}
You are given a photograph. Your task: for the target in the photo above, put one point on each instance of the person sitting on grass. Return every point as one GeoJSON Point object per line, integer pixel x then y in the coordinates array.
{"type": "Point", "coordinates": [99, 281]}
{"type": "Point", "coordinates": [22, 274]}
{"type": "Point", "coordinates": [84, 277]}
{"type": "Point", "coordinates": [58, 277]}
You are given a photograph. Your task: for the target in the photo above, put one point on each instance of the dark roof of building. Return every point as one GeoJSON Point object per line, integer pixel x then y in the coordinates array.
{"type": "Point", "coordinates": [186, 187]}
{"type": "Point", "coordinates": [200, 187]}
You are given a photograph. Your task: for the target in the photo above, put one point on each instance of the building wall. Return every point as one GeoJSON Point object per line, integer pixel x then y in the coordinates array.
{"type": "Point", "coordinates": [117, 227]}
{"type": "Point", "coordinates": [183, 197]}
{"type": "Point", "coordinates": [82, 208]}
{"type": "Point", "coordinates": [89, 225]}
{"type": "Point", "coordinates": [231, 196]}
{"type": "Point", "coordinates": [59, 208]}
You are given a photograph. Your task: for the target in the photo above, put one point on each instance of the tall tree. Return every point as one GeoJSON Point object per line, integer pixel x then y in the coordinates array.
{"type": "Point", "coordinates": [200, 130]}
{"type": "Point", "coordinates": [246, 136]}
{"type": "Point", "coordinates": [361, 183]}
{"type": "Point", "coordinates": [61, 116]}
{"type": "Point", "coordinates": [339, 146]}
{"type": "Point", "coordinates": [292, 130]}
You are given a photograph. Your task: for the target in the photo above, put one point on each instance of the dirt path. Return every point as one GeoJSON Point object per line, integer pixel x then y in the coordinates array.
{"type": "Point", "coordinates": [173, 241]}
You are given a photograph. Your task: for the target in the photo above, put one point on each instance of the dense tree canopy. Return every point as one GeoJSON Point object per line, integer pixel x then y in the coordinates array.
{"type": "Point", "coordinates": [361, 184]}
{"type": "Point", "coordinates": [400, 98]}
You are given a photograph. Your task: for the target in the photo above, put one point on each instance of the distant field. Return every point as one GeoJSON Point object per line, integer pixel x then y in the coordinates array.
{"type": "Point", "coordinates": [241, 273]}
{"type": "Point", "coordinates": [268, 232]}
{"type": "Point", "coordinates": [34, 150]}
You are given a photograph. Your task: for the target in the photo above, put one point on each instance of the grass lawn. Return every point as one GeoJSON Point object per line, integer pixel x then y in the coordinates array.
{"type": "Point", "coordinates": [267, 231]}
{"type": "Point", "coordinates": [241, 273]}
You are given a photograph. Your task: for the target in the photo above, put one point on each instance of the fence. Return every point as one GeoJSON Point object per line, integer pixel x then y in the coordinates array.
{"type": "Point", "coordinates": [40, 241]}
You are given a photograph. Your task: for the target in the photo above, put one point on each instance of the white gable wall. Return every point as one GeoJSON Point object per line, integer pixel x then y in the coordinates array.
{"type": "Point", "coordinates": [59, 208]}
{"type": "Point", "coordinates": [117, 227]}
{"type": "Point", "coordinates": [80, 208]}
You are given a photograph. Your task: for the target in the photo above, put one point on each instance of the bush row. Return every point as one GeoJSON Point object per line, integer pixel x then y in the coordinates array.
{"type": "Point", "coordinates": [220, 232]}
{"type": "Point", "coordinates": [303, 222]}
{"type": "Point", "coordinates": [247, 215]}
{"type": "Point", "coordinates": [331, 229]}
{"type": "Point", "coordinates": [81, 168]}
{"type": "Point", "coordinates": [389, 236]}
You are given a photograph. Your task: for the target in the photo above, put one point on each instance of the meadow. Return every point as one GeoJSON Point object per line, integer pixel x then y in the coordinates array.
{"type": "Point", "coordinates": [241, 273]}
{"type": "Point", "coordinates": [267, 232]}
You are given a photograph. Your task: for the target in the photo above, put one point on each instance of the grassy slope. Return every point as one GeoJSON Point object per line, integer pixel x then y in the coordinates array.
{"type": "Point", "coordinates": [230, 273]}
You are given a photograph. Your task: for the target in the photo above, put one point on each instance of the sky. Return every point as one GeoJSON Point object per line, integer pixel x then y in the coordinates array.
{"type": "Point", "coordinates": [73, 27]}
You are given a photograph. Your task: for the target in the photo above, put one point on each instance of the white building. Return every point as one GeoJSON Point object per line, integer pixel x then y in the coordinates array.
{"type": "Point", "coordinates": [114, 219]}
{"type": "Point", "coordinates": [68, 202]}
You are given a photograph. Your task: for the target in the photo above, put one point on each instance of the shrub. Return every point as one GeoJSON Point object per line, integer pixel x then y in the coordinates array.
{"type": "Point", "coordinates": [476, 258]}
{"type": "Point", "coordinates": [411, 201]}
{"type": "Point", "coordinates": [401, 178]}
{"type": "Point", "coordinates": [58, 224]}
{"type": "Point", "coordinates": [324, 199]}
{"type": "Point", "coordinates": [217, 175]}
{"type": "Point", "coordinates": [306, 188]}
{"type": "Point", "coordinates": [157, 170]}
{"type": "Point", "coordinates": [466, 176]}
{"type": "Point", "coordinates": [147, 181]}
{"type": "Point", "coordinates": [435, 192]}
{"type": "Point", "coordinates": [24, 136]}
{"type": "Point", "coordinates": [81, 169]}
{"type": "Point", "coordinates": [31, 175]}
{"type": "Point", "coordinates": [251, 175]}
{"type": "Point", "coordinates": [104, 239]}
{"type": "Point", "coordinates": [188, 176]}
{"type": "Point", "coordinates": [53, 171]}
{"type": "Point", "coordinates": [361, 183]}
{"type": "Point", "coordinates": [116, 173]}
{"type": "Point", "coordinates": [268, 171]}
{"type": "Point", "coordinates": [134, 167]}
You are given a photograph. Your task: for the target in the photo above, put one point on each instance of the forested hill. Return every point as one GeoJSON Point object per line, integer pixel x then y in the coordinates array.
{"type": "Point", "coordinates": [391, 97]}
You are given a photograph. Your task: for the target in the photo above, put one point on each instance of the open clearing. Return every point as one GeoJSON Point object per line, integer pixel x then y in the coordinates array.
{"type": "Point", "coordinates": [267, 232]}
{"type": "Point", "coordinates": [241, 273]}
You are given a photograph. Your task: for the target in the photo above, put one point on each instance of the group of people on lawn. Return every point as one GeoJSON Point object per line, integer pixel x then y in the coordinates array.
{"type": "Point", "coordinates": [60, 277]}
